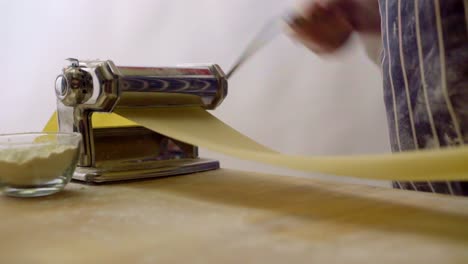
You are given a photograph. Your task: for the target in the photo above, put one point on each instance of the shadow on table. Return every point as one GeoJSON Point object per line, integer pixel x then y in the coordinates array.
{"type": "Point", "coordinates": [343, 208]}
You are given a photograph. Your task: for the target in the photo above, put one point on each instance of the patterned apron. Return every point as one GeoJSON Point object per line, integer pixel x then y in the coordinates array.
{"type": "Point", "coordinates": [425, 72]}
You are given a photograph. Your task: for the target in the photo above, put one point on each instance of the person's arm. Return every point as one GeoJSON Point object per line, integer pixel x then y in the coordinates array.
{"type": "Point", "coordinates": [326, 25]}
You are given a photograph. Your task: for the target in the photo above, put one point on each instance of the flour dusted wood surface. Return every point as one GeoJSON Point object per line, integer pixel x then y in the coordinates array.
{"type": "Point", "coordinates": [229, 216]}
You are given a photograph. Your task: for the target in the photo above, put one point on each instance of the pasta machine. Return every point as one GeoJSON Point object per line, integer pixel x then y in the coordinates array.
{"type": "Point", "coordinates": [133, 152]}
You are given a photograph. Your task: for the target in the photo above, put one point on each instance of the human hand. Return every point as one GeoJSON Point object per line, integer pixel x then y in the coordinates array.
{"type": "Point", "coordinates": [325, 25]}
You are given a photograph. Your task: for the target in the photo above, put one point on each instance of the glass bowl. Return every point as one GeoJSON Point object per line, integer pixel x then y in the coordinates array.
{"type": "Point", "coordinates": [37, 164]}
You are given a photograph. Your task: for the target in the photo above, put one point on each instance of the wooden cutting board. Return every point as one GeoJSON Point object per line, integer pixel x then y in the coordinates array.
{"type": "Point", "coordinates": [229, 216]}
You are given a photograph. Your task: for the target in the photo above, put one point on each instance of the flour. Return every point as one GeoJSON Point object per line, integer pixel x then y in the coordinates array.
{"type": "Point", "coordinates": [34, 165]}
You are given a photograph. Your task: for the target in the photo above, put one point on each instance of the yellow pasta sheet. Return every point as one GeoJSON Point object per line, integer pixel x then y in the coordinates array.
{"type": "Point", "coordinates": [196, 126]}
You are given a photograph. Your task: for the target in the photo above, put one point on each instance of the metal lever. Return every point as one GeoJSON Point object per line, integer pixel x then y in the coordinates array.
{"type": "Point", "coordinates": [268, 32]}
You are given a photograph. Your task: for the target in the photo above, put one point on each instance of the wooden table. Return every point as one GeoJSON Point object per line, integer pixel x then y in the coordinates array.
{"type": "Point", "coordinates": [228, 216]}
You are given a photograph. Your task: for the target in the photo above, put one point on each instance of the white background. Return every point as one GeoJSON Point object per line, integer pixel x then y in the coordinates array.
{"type": "Point", "coordinates": [285, 97]}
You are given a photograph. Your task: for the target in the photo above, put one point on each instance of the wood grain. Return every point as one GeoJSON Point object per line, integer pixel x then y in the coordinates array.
{"type": "Point", "coordinates": [229, 216]}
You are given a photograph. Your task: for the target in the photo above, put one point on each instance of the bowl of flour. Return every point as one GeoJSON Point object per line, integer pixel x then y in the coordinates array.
{"type": "Point", "coordinates": [37, 164]}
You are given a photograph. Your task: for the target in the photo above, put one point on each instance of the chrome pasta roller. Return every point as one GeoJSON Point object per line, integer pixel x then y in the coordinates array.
{"type": "Point", "coordinates": [133, 152]}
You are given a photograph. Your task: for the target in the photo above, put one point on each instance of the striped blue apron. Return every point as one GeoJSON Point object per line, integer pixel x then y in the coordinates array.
{"type": "Point", "coordinates": [425, 72]}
